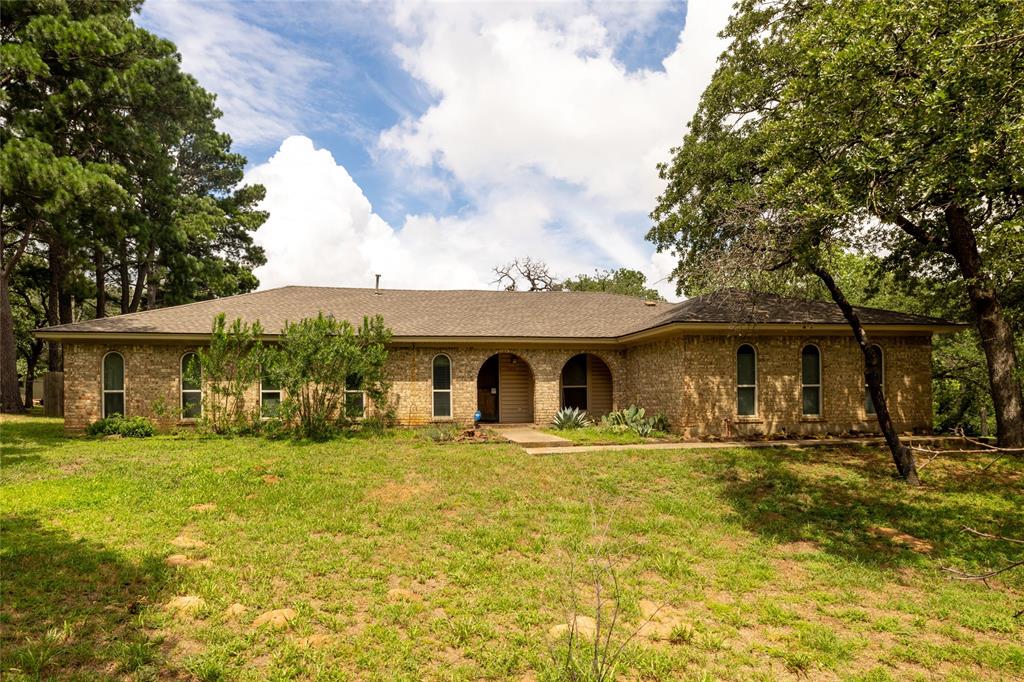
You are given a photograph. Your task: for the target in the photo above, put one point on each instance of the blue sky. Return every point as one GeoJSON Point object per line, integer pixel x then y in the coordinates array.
{"type": "Point", "coordinates": [431, 142]}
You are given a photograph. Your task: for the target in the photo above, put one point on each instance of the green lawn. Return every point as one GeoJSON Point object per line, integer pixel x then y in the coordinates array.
{"type": "Point", "coordinates": [598, 435]}
{"type": "Point", "coordinates": [404, 559]}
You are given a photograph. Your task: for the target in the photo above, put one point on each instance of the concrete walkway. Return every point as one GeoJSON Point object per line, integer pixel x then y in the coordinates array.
{"type": "Point", "coordinates": [719, 445]}
{"type": "Point", "coordinates": [527, 436]}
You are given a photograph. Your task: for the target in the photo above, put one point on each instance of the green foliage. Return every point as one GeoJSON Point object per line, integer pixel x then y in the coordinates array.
{"type": "Point", "coordinates": [116, 425]}
{"type": "Point", "coordinates": [112, 170]}
{"type": "Point", "coordinates": [227, 368]}
{"type": "Point", "coordinates": [635, 419]}
{"type": "Point", "coordinates": [569, 418]}
{"type": "Point", "coordinates": [442, 433]}
{"type": "Point", "coordinates": [314, 363]}
{"type": "Point", "coordinates": [869, 126]}
{"type": "Point", "coordinates": [622, 281]}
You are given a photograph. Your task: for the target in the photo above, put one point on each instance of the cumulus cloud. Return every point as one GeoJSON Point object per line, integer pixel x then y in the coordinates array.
{"type": "Point", "coordinates": [517, 94]}
{"type": "Point", "coordinates": [260, 79]}
{"type": "Point", "coordinates": [323, 230]}
{"type": "Point", "coordinates": [550, 143]}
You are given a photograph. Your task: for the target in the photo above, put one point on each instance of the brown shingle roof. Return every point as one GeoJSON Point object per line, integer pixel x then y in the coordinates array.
{"type": "Point", "coordinates": [413, 313]}
{"type": "Point", "coordinates": [734, 306]}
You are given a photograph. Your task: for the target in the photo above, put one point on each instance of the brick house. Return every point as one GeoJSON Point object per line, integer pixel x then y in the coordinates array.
{"type": "Point", "coordinates": [730, 363]}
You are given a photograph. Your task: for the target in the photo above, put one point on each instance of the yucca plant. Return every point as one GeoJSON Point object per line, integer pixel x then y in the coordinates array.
{"type": "Point", "coordinates": [570, 418]}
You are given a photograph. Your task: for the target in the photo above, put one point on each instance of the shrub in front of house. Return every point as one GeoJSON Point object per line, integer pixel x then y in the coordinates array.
{"type": "Point", "coordinates": [635, 419]}
{"type": "Point", "coordinates": [116, 425]}
{"type": "Point", "coordinates": [570, 418]}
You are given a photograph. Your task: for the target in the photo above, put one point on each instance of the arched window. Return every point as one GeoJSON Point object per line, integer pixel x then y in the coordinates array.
{"type": "Point", "coordinates": [746, 381]}
{"type": "Point", "coordinates": [442, 386]}
{"type": "Point", "coordinates": [191, 387]}
{"type": "Point", "coordinates": [810, 379]}
{"type": "Point", "coordinates": [113, 384]}
{"type": "Point", "coordinates": [869, 404]}
{"type": "Point", "coordinates": [270, 396]}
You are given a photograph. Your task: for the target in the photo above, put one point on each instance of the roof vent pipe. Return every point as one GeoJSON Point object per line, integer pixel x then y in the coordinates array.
{"type": "Point", "coordinates": [377, 285]}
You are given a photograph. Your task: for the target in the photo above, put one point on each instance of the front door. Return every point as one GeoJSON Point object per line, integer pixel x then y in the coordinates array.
{"type": "Point", "coordinates": [487, 390]}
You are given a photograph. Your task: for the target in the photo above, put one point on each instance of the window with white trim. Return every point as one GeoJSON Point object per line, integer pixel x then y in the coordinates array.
{"type": "Point", "coordinates": [355, 397]}
{"type": "Point", "coordinates": [113, 384]}
{"type": "Point", "coordinates": [191, 387]}
{"type": "Point", "coordinates": [810, 379]}
{"type": "Point", "coordinates": [441, 368]}
{"type": "Point", "coordinates": [270, 397]}
{"type": "Point", "coordinates": [746, 381]}
{"type": "Point", "coordinates": [869, 404]}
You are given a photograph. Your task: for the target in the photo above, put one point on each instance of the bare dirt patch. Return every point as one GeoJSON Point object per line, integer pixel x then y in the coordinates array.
{"type": "Point", "coordinates": [271, 479]}
{"type": "Point", "coordinates": [204, 507]}
{"type": "Point", "coordinates": [798, 547]}
{"type": "Point", "coordinates": [183, 560]}
{"type": "Point", "coordinates": [185, 604]}
{"type": "Point", "coordinates": [236, 610]}
{"type": "Point", "coordinates": [276, 619]}
{"type": "Point", "coordinates": [903, 539]}
{"type": "Point", "coordinates": [394, 492]}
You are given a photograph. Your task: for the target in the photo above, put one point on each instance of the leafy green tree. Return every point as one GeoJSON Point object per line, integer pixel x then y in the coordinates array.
{"type": "Point", "coordinates": [314, 363]}
{"type": "Point", "coordinates": [621, 281]}
{"type": "Point", "coordinates": [111, 169]}
{"type": "Point", "coordinates": [227, 367]}
{"type": "Point", "coordinates": [894, 126]}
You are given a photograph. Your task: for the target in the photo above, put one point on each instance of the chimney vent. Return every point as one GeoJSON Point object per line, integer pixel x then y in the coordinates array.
{"type": "Point", "coordinates": [377, 285]}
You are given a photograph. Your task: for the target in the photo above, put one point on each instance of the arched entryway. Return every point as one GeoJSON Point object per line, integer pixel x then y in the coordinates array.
{"type": "Point", "coordinates": [587, 384]}
{"type": "Point", "coordinates": [504, 390]}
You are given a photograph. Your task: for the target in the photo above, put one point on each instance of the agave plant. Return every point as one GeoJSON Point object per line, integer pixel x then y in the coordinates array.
{"type": "Point", "coordinates": [570, 418]}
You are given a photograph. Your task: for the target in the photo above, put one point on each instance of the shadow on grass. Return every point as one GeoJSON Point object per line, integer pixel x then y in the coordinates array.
{"type": "Point", "coordinates": [73, 608]}
{"type": "Point", "coordinates": [835, 498]}
{"type": "Point", "coordinates": [23, 435]}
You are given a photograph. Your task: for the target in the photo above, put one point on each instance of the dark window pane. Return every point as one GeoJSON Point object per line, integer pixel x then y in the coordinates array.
{"type": "Point", "coordinates": [267, 383]}
{"type": "Point", "coordinates": [191, 374]}
{"type": "Point", "coordinates": [574, 397]}
{"type": "Point", "coordinates": [746, 373]}
{"type": "Point", "coordinates": [811, 366]}
{"type": "Point", "coordinates": [271, 404]}
{"type": "Point", "coordinates": [113, 372]}
{"type": "Point", "coordinates": [575, 371]}
{"type": "Point", "coordinates": [354, 404]}
{"type": "Point", "coordinates": [869, 404]}
{"type": "Point", "coordinates": [113, 403]}
{"type": "Point", "coordinates": [812, 400]}
{"type": "Point", "coordinates": [191, 404]}
{"type": "Point", "coordinates": [442, 373]}
{"type": "Point", "coordinates": [353, 382]}
{"type": "Point", "coordinates": [442, 404]}
{"type": "Point", "coordinates": [745, 403]}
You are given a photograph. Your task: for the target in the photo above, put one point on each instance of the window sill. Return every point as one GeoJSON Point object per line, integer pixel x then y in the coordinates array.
{"type": "Point", "coordinates": [749, 420]}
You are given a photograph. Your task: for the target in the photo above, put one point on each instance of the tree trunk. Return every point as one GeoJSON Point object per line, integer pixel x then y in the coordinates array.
{"type": "Point", "coordinates": [101, 284]}
{"type": "Point", "coordinates": [32, 361]}
{"type": "Point", "coordinates": [125, 277]}
{"type": "Point", "coordinates": [10, 400]}
{"type": "Point", "coordinates": [996, 336]}
{"type": "Point", "coordinates": [54, 359]}
{"type": "Point", "coordinates": [902, 456]}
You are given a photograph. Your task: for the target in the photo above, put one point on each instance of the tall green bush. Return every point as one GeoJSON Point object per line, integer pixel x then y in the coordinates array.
{"type": "Point", "coordinates": [228, 367]}
{"type": "Point", "coordinates": [317, 359]}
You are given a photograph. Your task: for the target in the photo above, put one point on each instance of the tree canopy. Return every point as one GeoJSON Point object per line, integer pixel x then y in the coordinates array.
{"type": "Point", "coordinates": [862, 124]}
{"type": "Point", "coordinates": [112, 172]}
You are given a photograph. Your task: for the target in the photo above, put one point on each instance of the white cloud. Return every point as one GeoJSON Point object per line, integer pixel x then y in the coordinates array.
{"type": "Point", "coordinates": [553, 142]}
{"type": "Point", "coordinates": [520, 94]}
{"type": "Point", "coordinates": [260, 79]}
{"type": "Point", "coordinates": [322, 230]}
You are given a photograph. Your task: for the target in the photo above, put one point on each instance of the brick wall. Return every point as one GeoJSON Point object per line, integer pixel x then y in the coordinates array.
{"type": "Point", "coordinates": [692, 379]}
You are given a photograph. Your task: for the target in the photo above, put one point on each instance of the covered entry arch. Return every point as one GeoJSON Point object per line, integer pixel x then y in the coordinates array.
{"type": "Point", "coordinates": [504, 390]}
{"type": "Point", "coordinates": [587, 384]}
